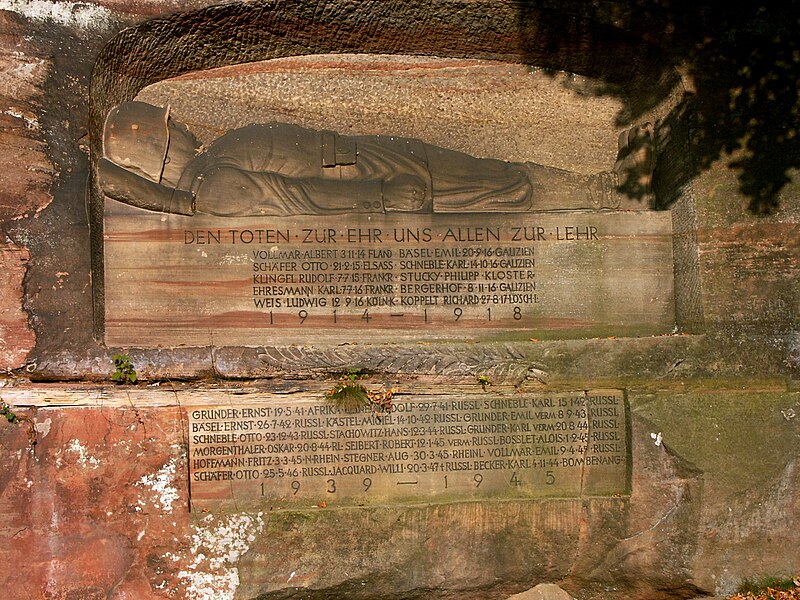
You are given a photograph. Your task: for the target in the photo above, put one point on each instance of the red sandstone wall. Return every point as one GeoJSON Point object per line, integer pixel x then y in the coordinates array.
{"type": "Point", "coordinates": [99, 509]}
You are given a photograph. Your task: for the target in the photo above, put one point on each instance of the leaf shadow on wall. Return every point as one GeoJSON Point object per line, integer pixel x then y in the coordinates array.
{"type": "Point", "coordinates": [743, 63]}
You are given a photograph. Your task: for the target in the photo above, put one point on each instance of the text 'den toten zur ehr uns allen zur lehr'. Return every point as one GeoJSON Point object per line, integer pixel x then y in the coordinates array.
{"type": "Point", "coordinates": [553, 275]}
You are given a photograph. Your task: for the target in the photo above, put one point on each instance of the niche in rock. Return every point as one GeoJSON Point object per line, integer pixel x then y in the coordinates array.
{"type": "Point", "coordinates": [321, 198]}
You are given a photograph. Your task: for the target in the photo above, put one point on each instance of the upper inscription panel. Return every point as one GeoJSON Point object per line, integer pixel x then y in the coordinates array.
{"type": "Point", "coordinates": [277, 233]}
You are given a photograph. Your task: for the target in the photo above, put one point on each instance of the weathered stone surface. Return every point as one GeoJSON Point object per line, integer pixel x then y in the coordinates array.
{"type": "Point", "coordinates": [759, 260]}
{"type": "Point", "coordinates": [26, 171]}
{"type": "Point", "coordinates": [74, 514]}
{"type": "Point", "coordinates": [16, 337]}
{"type": "Point", "coordinates": [748, 459]}
{"type": "Point", "coordinates": [113, 474]}
{"type": "Point", "coordinates": [749, 266]}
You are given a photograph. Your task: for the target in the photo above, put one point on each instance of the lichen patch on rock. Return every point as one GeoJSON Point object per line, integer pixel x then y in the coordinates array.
{"type": "Point", "coordinates": [217, 546]}
{"type": "Point", "coordinates": [161, 484]}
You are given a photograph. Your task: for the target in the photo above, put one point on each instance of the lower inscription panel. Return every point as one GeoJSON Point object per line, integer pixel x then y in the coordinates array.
{"type": "Point", "coordinates": [427, 449]}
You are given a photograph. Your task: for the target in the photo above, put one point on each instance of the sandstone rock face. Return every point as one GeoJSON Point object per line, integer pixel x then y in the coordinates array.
{"type": "Point", "coordinates": [99, 505]}
{"type": "Point", "coordinates": [16, 337]}
{"type": "Point", "coordinates": [25, 170]}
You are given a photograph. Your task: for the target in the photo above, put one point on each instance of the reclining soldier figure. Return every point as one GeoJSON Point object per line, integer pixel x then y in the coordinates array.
{"type": "Point", "coordinates": [154, 162]}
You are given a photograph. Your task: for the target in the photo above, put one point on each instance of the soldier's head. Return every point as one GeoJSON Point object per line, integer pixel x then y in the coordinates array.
{"type": "Point", "coordinates": [144, 139]}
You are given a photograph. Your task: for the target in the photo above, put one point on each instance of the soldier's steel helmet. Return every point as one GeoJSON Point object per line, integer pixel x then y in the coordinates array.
{"type": "Point", "coordinates": [136, 136]}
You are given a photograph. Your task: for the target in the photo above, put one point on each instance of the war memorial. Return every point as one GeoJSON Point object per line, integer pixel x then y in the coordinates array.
{"type": "Point", "coordinates": [395, 300]}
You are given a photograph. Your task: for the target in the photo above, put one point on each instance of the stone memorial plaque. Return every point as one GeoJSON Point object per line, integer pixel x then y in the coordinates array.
{"type": "Point", "coordinates": [275, 233]}
{"type": "Point", "coordinates": [428, 448]}
{"type": "Point", "coordinates": [173, 280]}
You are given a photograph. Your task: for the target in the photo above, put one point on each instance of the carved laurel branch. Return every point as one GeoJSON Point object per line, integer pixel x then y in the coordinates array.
{"type": "Point", "coordinates": [501, 363]}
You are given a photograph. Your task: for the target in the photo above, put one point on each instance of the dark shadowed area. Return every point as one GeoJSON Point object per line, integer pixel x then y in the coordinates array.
{"type": "Point", "coordinates": [740, 62]}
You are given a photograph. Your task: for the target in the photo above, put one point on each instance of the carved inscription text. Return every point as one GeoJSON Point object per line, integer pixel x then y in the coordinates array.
{"type": "Point", "coordinates": [432, 448]}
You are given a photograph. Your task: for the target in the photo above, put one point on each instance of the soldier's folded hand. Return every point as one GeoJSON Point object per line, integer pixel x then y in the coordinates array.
{"type": "Point", "coordinates": [404, 193]}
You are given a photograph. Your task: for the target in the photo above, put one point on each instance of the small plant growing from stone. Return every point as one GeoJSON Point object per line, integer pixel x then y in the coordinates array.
{"type": "Point", "coordinates": [124, 371]}
{"type": "Point", "coordinates": [6, 411]}
{"type": "Point", "coordinates": [348, 394]}
{"type": "Point", "coordinates": [12, 417]}
{"type": "Point", "coordinates": [483, 381]}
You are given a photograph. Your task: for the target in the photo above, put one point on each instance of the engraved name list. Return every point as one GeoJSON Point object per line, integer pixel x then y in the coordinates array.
{"type": "Point", "coordinates": [567, 444]}
{"type": "Point", "coordinates": [449, 277]}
